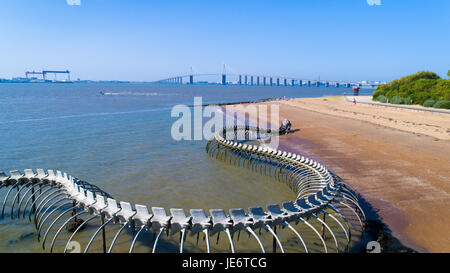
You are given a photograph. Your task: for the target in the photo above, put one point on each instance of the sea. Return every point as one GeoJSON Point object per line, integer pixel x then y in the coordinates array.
{"type": "Point", "coordinates": [118, 137]}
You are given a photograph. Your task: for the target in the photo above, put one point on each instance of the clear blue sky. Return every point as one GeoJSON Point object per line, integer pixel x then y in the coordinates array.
{"type": "Point", "coordinates": [147, 40]}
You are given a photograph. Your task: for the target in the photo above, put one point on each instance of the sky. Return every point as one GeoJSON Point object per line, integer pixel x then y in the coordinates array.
{"type": "Point", "coordinates": [149, 40]}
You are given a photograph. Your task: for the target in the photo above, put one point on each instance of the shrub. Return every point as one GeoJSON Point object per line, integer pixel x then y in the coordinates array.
{"type": "Point", "coordinates": [381, 98]}
{"type": "Point", "coordinates": [429, 103]}
{"type": "Point", "coordinates": [407, 101]}
{"type": "Point", "coordinates": [396, 100]}
{"type": "Point", "coordinates": [444, 104]}
{"type": "Point", "coordinates": [418, 87]}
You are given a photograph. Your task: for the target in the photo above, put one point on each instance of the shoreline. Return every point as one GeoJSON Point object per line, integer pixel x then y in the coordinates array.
{"type": "Point", "coordinates": [413, 107]}
{"type": "Point", "coordinates": [381, 161]}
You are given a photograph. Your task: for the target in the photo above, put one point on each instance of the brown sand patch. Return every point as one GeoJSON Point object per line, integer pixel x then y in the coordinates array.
{"type": "Point", "coordinates": [390, 156]}
{"type": "Point", "coordinates": [430, 124]}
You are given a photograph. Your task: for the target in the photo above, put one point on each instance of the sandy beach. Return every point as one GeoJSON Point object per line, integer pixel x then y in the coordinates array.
{"type": "Point", "coordinates": [398, 160]}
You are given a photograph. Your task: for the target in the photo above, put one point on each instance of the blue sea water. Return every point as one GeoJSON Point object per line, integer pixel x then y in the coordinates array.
{"type": "Point", "coordinates": [120, 141]}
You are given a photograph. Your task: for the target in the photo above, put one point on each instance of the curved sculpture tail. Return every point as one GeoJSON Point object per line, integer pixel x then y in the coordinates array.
{"type": "Point", "coordinates": [54, 197]}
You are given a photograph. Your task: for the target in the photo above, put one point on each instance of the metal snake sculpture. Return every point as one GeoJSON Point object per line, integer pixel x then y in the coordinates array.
{"type": "Point", "coordinates": [45, 195]}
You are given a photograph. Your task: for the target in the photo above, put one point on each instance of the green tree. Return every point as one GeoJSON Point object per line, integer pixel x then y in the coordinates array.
{"type": "Point", "coordinates": [415, 89]}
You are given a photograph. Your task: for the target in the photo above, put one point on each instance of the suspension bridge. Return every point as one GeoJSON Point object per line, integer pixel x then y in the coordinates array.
{"type": "Point", "coordinates": [262, 80]}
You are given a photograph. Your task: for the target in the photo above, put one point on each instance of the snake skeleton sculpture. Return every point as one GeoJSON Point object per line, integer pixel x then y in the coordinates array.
{"type": "Point", "coordinates": [51, 197]}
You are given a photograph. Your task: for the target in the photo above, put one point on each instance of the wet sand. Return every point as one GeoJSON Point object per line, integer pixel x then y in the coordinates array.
{"type": "Point", "coordinates": [398, 160]}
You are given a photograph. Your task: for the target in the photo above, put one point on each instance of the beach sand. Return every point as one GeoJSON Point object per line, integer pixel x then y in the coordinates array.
{"type": "Point", "coordinates": [398, 160]}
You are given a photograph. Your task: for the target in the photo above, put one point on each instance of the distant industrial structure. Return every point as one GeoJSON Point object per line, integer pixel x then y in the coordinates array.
{"type": "Point", "coordinates": [41, 77]}
{"type": "Point", "coordinates": [44, 74]}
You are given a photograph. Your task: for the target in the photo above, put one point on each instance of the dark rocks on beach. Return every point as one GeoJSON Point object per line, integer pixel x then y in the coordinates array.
{"type": "Point", "coordinates": [242, 102]}
{"type": "Point", "coordinates": [74, 224]}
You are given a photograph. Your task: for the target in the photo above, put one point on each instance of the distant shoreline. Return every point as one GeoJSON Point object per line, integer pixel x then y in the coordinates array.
{"type": "Point", "coordinates": [6, 81]}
